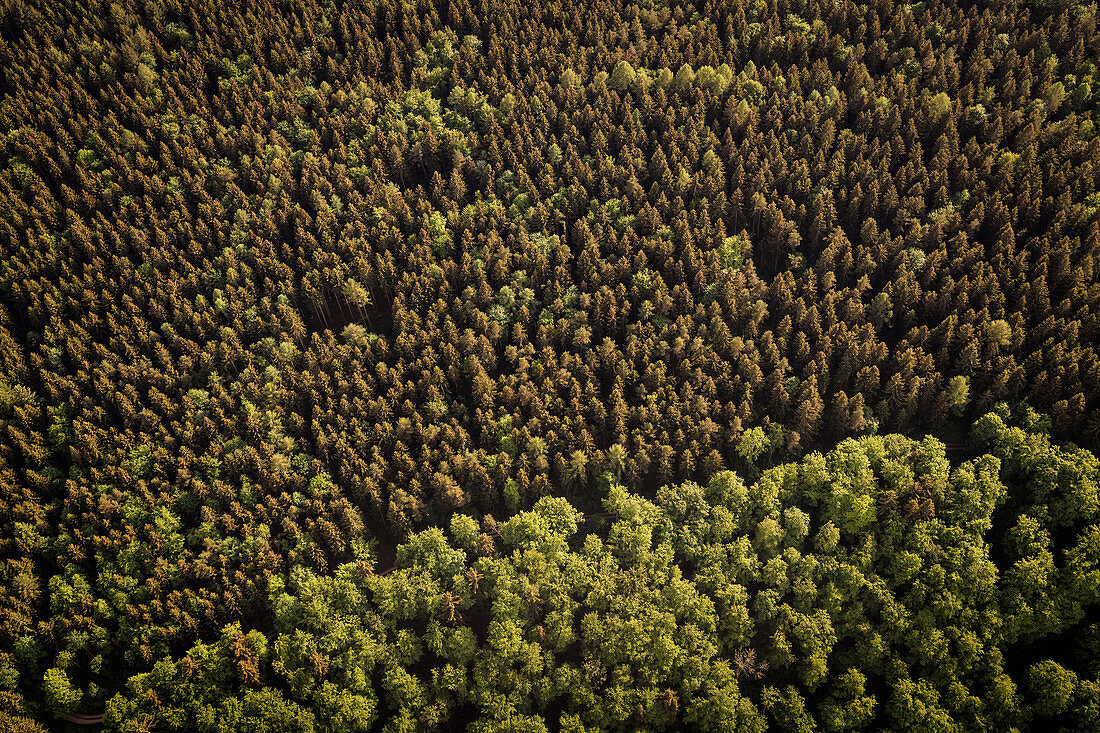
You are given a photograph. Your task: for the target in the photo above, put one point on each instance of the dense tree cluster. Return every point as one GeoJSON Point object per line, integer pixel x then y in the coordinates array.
{"type": "Point", "coordinates": [286, 284]}
{"type": "Point", "coordinates": [872, 587]}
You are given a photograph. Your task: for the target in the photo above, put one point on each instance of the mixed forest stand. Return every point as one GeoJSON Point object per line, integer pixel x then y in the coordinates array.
{"type": "Point", "coordinates": [293, 292]}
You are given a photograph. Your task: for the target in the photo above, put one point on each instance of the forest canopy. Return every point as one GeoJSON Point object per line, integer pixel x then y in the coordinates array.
{"type": "Point", "coordinates": [877, 586]}
{"type": "Point", "coordinates": [567, 366]}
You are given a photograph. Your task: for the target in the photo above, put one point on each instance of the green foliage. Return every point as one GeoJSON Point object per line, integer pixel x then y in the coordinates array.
{"type": "Point", "coordinates": [753, 443]}
{"type": "Point", "coordinates": [939, 105]}
{"type": "Point", "coordinates": [1051, 687]}
{"type": "Point", "coordinates": [439, 234]}
{"type": "Point", "coordinates": [851, 590]}
{"type": "Point", "coordinates": [733, 250]}
{"type": "Point", "coordinates": [464, 531]}
{"type": "Point", "coordinates": [622, 76]}
{"type": "Point", "coordinates": [60, 697]}
{"type": "Point", "coordinates": [958, 394]}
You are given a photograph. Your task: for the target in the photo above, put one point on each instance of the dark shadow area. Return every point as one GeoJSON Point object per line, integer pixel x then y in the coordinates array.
{"type": "Point", "coordinates": [337, 313]}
